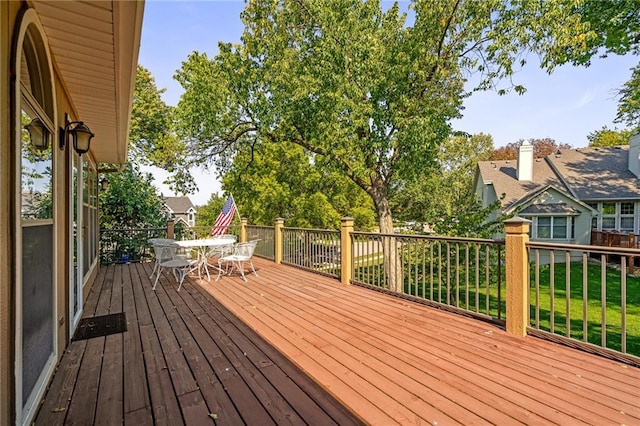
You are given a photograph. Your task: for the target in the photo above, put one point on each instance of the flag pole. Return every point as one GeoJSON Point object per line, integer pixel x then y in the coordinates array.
{"type": "Point", "coordinates": [236, 206]}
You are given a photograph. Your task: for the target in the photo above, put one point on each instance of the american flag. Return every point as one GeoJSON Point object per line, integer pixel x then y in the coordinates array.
{"type": "Point", "coordinates": [225, 217]}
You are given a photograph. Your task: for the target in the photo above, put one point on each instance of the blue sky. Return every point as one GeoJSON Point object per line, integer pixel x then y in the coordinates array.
{"type": "Point", "coordinates": [565, 106]}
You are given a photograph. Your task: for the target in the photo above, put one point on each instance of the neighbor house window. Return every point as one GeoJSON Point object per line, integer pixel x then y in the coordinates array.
{"type": "Point", "coordinates": [554, 227]}
{"type": "Point", "coordinates": [608, 213]}
{"type": "Point", "coordinates": [627, 215]}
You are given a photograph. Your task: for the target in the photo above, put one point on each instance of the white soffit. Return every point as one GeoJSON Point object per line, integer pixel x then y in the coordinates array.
{"type": "Point", "coordinates": [95, 48]}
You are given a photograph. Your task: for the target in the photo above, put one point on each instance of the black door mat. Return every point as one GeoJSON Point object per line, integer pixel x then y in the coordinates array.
{"type": "Point", "coordinates": [103, 325]}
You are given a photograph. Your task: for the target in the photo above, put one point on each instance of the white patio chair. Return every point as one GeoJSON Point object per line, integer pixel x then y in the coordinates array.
{"type": "Point", "coordinates": [168, 253]}
{"type": "Point", "coordinates": [242, 253]}
{"type": "Point", "coordinates": [158, 260]}
{"type": "Point", "coordinates": [223, 250]}
{"type": "Point", "coordinates": [219, 251]}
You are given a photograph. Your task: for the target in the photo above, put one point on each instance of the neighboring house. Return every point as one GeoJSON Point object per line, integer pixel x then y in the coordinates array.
{"type": "Point", "coordinates": [568, 193]}
{"type": "Point", "coordinates": [181, 210]}
{"type": "Point", "coordinates": [62, 62]}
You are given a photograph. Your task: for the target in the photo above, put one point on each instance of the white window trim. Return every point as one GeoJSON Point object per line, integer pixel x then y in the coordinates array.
{"type": "Point", "coordinates": [25, 416]}
{"type": "Point", "coordinates": [534, 227]}
{"type": "Point", "coordinates": [618, 216]}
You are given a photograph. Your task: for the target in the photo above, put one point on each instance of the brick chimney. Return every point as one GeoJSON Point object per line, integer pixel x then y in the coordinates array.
{"type": "Point", "coordinates": [634, 154]}
{"type": "Point", "coordinates": [525, 162]}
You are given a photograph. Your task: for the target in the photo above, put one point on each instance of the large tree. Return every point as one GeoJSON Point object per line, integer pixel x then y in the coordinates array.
{"type": "Point", "coordinates": [150, 135]}
{"type": "Point", "coordinates": [609, 27]}
{"type": "Point", "coordinates": [131, 199]}
{"type": "Point", "coordinates": [445, 193]}
{"type": "Point", "coordinates": [629, 101]}
{"type": "Point", "coordinates": [282, 180]}
{"type": "Point", "coordinates": [365, 89]}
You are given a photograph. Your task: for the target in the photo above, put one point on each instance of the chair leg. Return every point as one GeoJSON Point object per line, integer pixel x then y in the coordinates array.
{"type": "Point", "coordinates": [157, 278]}
{"type": "Point", "coordinates": [242, 271]}
{"type": "Point", "coordinates": [219, 269]}
{"type": "Point", "coordinates": [182, 274]}
{"type": "Point", "coordinates": [252, 268]}
{"type": "Point", "coordinates": [153, 271]}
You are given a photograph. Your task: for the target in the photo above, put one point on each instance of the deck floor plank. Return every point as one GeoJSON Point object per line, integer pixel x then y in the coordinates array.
{"type": "Point", "coordinates": [286, 377]}
{"type": "Point", "coordinates": [135, 379]}
{"type": "Point", "coordinates": [55, 408]}
{"type": "Point", "coordinates": [295, 347]}
{"type": "Point", "coordinates": [164, 401]}
{"type": "Point", "coordinates": [82, 407]}
{"type": "Point", "coordinates": [110, 403]}
{"type": "Point", "coordinates": [544, 382]}
{"type": "Point", "coordinates": [420, 399]}
{"type": "Point", "coordinates": [272, 386]}
{"type": "Point", "coordinates": [164, 314]}
{"type": "Point", "coordinates": [600, 403]}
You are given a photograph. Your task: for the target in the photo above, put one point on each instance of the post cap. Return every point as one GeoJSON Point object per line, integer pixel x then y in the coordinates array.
{"type": "Point", "coordinates": [517, 225]}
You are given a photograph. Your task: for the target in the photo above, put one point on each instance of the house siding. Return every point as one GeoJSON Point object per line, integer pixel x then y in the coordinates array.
{"type": "Point", "coordinates": [11, 13]}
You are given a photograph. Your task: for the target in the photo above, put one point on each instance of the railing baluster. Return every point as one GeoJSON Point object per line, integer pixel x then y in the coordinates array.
{"type": "Point", "coordinates": [567, 297]}
{"type": "Point", "coordinates": [457, 289]}
{"type": "Point", "coordinates": [487, 261]}
{"type": "Point", "coordinates": [623, 300]}
{"type": "Point", "coordinates": [477, 268]}
{"type": "Point", "coordinates": [603, 301]}
{"type": "Point", "coordinates": [466, 276]}
{"type": "Point", "coordinates": [439, 271]}
{"type": "Point", "coordinates": [424, 269]}
{"type": "Point", "coordinates": [499, 282]}
{"type": "Point", "coordinates": [552, 290]}
{"type": "Point", "coordinates": [537, 273]}
{"type": "Point", "coordinates": [585, 297]}
{"type": "Point", "coordinates": [448, 274]}
{"type": "Point", "coordinates": [431, 270]}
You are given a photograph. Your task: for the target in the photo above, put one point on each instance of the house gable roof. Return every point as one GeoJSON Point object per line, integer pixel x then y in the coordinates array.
{"type": "Point", "coordinates": [537, 203]}
{"type": "Point", "coordinates": [597, 173]}
{"type": "Point", "coordinates": [502, 174]}
{"type": "Point", "coordinates": [557, 208]}
{"type": "Point", "coordinates": [585, 174]}
{"type": "Point", "coordinates": [178, 205]}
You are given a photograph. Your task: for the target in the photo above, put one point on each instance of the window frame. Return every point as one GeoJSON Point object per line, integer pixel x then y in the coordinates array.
{"type": "Point", "coordinates": [569, 227]}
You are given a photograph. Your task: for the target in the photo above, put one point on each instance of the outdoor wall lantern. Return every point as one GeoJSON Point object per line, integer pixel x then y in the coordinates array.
{"type": "Point", "coordinates": [38, 134]}
{"type": "Point", "coordinates": [104, 183]}
{"type": "Point", "coordinates": [81, 136]}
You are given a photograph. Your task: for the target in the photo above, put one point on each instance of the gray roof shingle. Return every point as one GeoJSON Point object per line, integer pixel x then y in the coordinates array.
{"type": "Point", "coordinates": [503, 176]}
{"type": "Point", "coordinates": [597, 173]}
{"type": "Point", "coordinates": [178, 204]}
{"type": "Point", "coordinates": [588, 174]}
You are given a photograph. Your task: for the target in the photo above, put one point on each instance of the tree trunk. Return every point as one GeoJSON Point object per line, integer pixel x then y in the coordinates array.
{"type": "Point", "coordinates": [391, 255]}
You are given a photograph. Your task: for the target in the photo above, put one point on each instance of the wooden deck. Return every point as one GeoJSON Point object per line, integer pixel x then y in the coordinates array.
{"type": "Point", "coordinates": [184, 359]}
{"type": "Point", "coordinates": [389, 360]}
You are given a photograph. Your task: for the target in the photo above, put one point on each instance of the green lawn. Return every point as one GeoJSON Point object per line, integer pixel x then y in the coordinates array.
{"type": "Point", "coordinates": [594, 305]}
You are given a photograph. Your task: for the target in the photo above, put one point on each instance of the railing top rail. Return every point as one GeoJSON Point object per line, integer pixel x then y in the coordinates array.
{"type": "Point", "coordinates": [433, 237]}
{"type": "Point", "coordinates": [587, 248]}
{"type": "Point", "coordinates": [327, 231]}
{"type": "Point", "coordinates": [260, 226]}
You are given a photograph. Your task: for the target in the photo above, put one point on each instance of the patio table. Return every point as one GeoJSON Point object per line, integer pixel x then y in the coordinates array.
{"type": "Point", "coordinates": [203, 246]}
